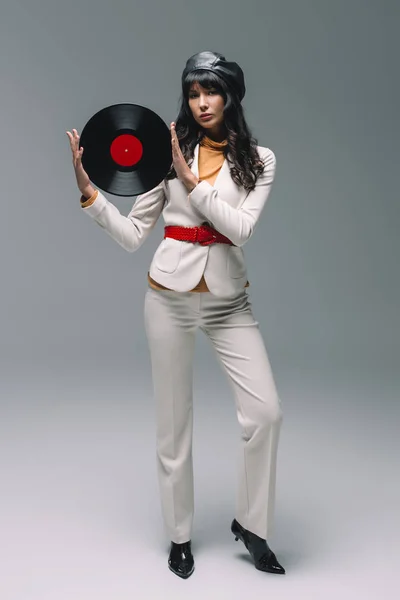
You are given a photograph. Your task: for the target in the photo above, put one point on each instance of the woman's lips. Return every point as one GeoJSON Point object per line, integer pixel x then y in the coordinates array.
{"type": "Point", "coordinates": [205, 117]}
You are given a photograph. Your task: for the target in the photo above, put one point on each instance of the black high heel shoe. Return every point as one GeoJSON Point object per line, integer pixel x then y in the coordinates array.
{"type": "Point", "coordinates": [180, 560]}
{"type": "Point", "coordinates": [262, 555]}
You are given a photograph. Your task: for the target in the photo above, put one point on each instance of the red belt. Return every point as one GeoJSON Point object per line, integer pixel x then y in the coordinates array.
{"type": "Point", "coordinates": [204, 235]}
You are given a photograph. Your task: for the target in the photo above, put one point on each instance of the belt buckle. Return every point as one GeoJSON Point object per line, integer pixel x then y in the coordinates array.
{"type": "Point", "coordinates": [210, 239]}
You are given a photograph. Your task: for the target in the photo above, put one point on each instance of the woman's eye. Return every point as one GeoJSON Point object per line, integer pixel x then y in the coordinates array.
{"type": "Point", "coordinates": [192, 96]}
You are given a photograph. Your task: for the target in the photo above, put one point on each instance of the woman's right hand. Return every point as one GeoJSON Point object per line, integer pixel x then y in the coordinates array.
{"type": "Point", "coordinates": [82, 178]}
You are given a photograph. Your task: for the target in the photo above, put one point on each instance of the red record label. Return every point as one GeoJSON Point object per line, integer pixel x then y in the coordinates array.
{"type": "Point", "coordinates": [126, 150]}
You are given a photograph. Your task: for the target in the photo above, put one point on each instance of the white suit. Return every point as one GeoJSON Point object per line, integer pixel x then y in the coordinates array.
{"type": "Point", "coordinates": [224, 314]}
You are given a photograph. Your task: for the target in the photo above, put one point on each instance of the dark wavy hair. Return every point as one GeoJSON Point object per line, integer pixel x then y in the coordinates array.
{"type": "Point", "coordinates": [241, 149]}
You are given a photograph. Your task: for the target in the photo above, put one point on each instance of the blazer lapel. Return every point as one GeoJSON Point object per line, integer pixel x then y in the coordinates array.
{"type": "Point", "coordinates": [195, 164]}
{"type": "Point", "coordinates": [223, 177]}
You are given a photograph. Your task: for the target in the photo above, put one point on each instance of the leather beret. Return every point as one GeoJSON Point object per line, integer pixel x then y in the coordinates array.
{"type": "Point", "coordinates": [217, 63]}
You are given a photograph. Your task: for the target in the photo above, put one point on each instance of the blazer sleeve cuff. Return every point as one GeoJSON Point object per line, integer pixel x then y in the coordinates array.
{"type": "Point", "coordinates": [94, 205]}
{"type": "Point", "coordinates": [88, 201]}
{"type": "Point", "coordinates": [199, 193]}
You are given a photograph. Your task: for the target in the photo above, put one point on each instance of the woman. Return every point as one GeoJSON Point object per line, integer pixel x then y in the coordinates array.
{"type": "Point", "coordinates": [211, 201]}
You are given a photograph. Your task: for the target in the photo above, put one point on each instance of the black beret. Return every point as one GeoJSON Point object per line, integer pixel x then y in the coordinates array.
{"type": "Point", "coordinates": [213, 61]}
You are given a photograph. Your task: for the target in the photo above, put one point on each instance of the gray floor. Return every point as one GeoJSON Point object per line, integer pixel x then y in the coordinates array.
{"type": "Point", "coordinates": [80, 513]}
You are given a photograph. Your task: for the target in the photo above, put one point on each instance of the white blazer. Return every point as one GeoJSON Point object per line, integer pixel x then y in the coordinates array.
{"type": "Point", "coordinates": [228, 208]}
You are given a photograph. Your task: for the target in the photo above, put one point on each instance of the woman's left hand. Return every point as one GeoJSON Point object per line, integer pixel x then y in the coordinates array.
{"type": "Point", "coordinates": [180, 165]}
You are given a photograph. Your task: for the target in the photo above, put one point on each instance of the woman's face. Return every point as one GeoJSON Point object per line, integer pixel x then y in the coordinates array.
{"type": "Point", "coordinates": [206, 102]}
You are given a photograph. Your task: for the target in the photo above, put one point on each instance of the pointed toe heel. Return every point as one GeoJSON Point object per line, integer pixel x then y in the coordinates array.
{"type": "Point", "coordinates": [263, 557]}
{"type": "Point", "coordinates": [180, 560]}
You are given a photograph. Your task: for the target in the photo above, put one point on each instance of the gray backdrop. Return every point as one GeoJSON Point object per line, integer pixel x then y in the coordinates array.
{"type": "Point", "coordinates": [80, 512]}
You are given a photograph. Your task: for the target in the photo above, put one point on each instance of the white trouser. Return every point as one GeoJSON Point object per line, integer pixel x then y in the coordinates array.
{"type": "Point", "coordinates": [171, 321]}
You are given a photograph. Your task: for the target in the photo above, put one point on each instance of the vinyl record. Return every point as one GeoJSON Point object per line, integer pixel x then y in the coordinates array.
{"type": "Point", "coordinates": [127, 149]}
